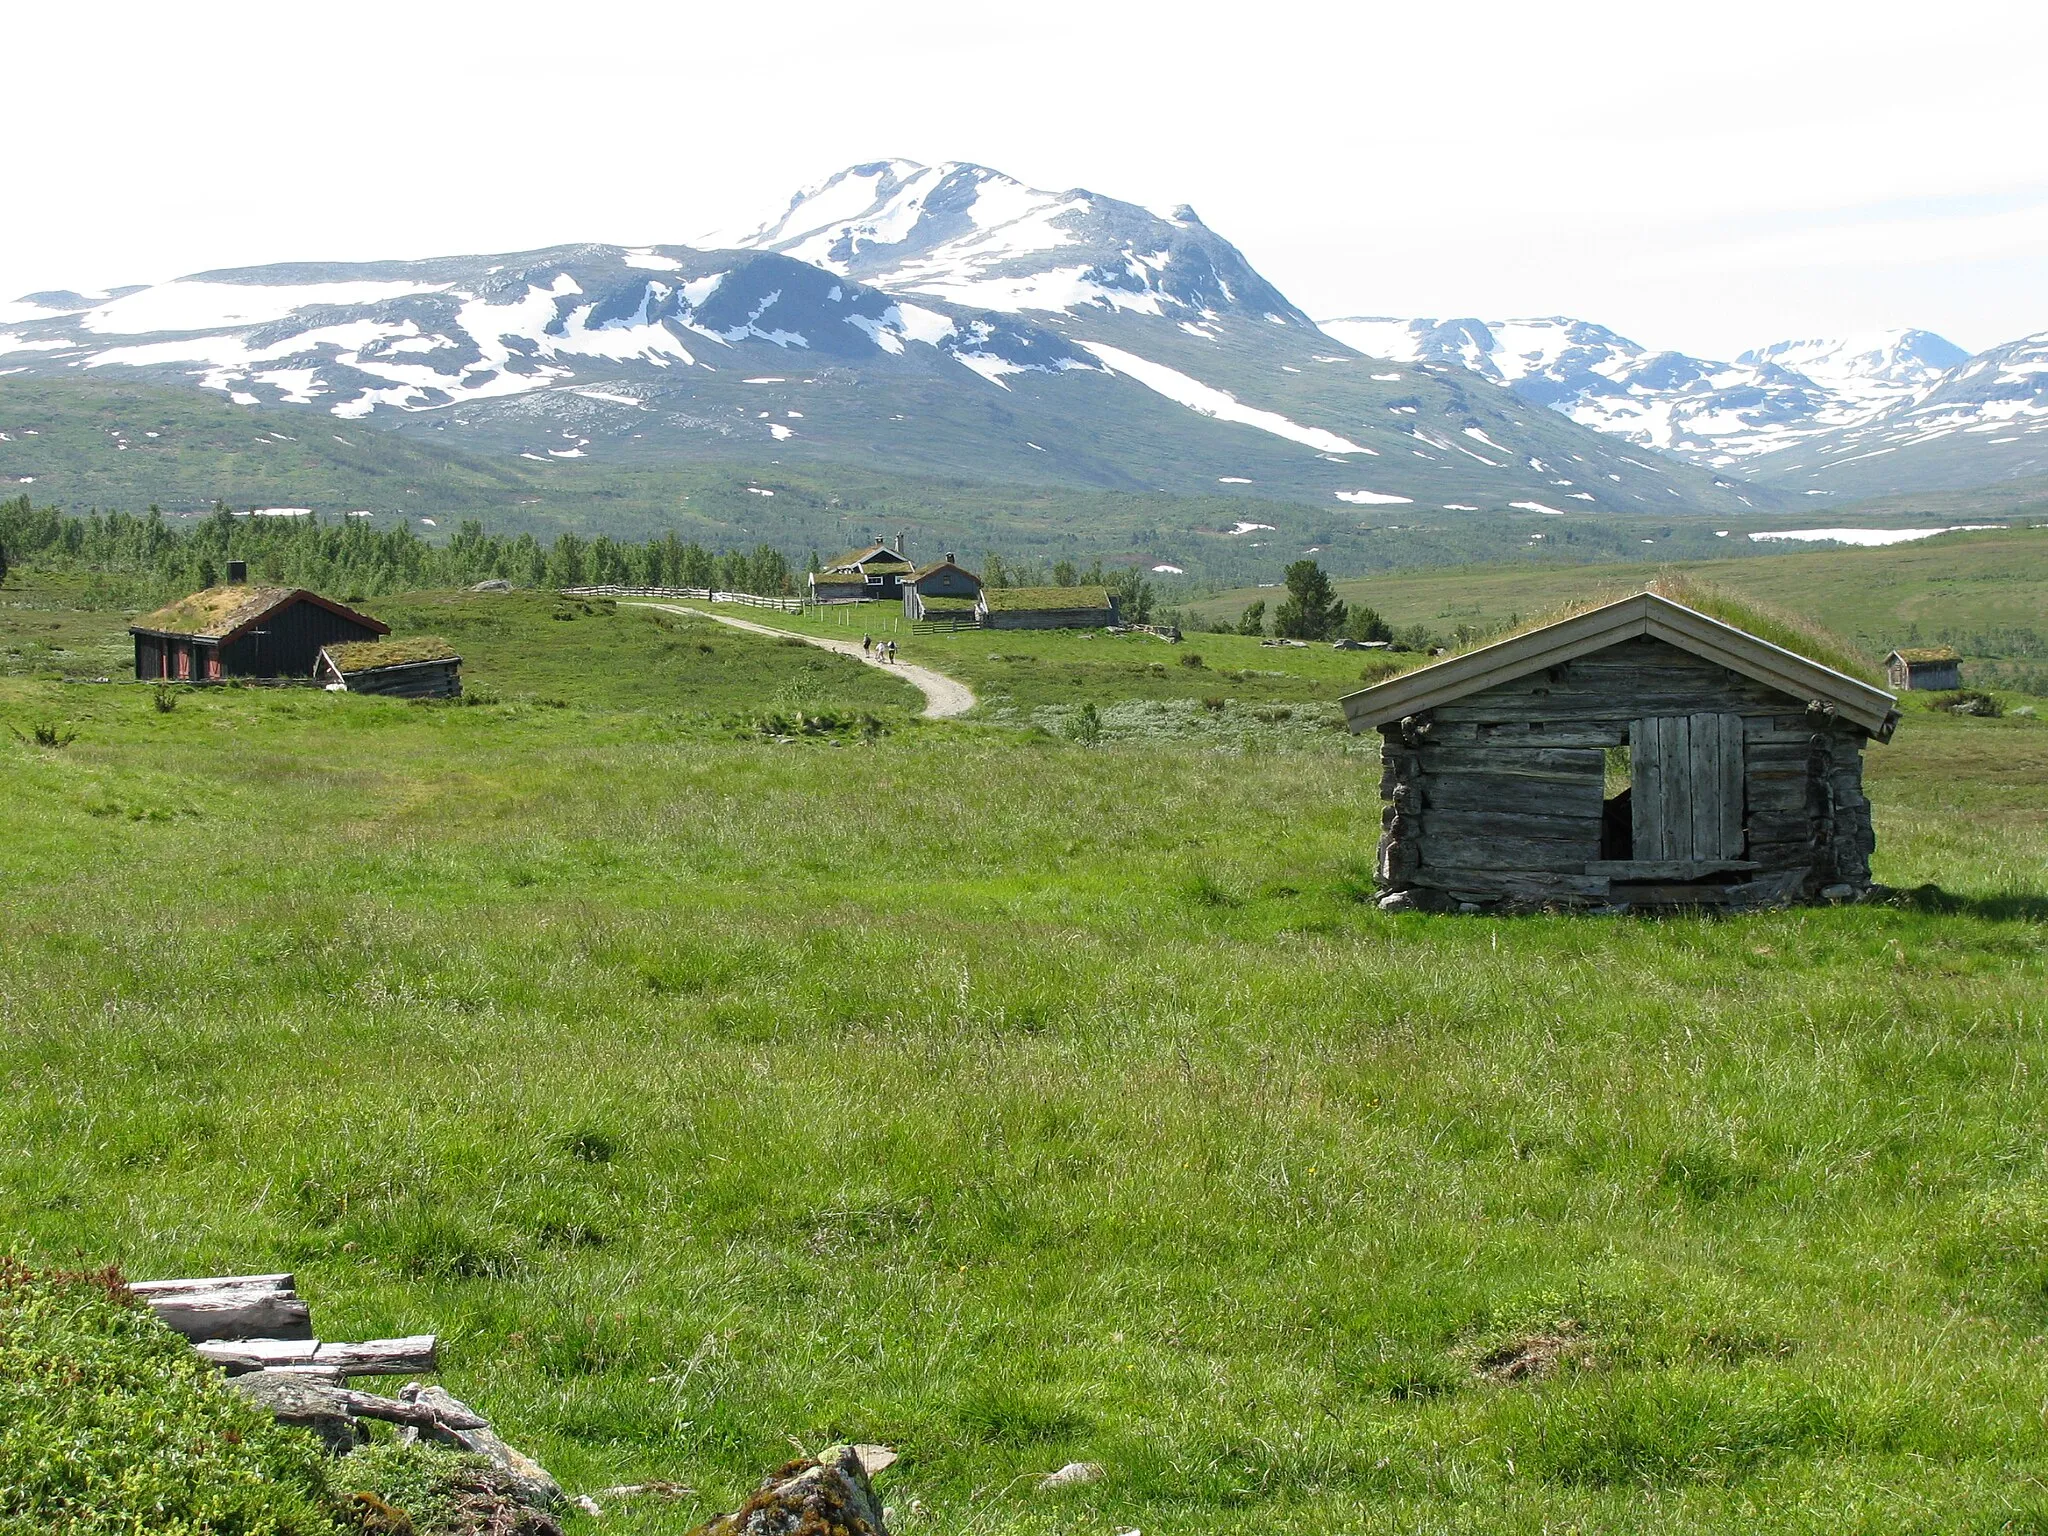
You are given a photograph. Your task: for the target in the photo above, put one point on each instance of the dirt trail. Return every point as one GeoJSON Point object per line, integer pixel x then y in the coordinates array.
{"type": "Point", "coordinates": [944, 697]}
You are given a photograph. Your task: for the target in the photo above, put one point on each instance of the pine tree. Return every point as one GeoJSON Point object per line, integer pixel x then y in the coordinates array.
{"type": "Point", "coordinates": [1311, 610]}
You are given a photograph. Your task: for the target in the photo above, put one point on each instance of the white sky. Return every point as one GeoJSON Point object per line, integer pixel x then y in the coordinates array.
{"type": "Point", "coordinates": [1796, 168]}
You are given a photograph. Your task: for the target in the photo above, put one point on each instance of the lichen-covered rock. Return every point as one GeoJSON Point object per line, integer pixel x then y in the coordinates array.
{"type": "Point", "coordinates": [305, 1402]}
{"type": "Point", "coordinates": [528, 1479]}
{"type": "Point", "coordinates": [828, 1495]}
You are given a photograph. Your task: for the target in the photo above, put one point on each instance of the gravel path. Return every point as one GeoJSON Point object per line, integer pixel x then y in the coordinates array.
{"type": "Point", "coordinates": [944, 697]}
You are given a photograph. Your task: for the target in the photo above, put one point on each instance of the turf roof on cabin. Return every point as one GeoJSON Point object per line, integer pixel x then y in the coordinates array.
{"type": "Point", "coordinates": [870, 557]}
{"type": "Point", "coordinates": [1921, 653]}
{"type": "Point", "coordinates": [943, 565]}
{"type": "Point", "coordinates": [1044, 599]}
{"type": "Point", "coordinates": [368, 655]}
{"type": "Point", "coordinates": [218, 613]}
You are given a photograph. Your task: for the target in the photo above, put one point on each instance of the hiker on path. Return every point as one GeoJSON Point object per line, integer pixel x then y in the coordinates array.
{"type": "Point", "coordinates": [892, 652]}
{"type": "Point", "coordinates": [867, 645]}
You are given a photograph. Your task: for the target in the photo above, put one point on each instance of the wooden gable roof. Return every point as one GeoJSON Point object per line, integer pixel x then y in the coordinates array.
{"type": "Point", "coordinates": [1643, 614]}
{"type": "Point", "coordinates": [941, 565]}
{"type": "Point", "coordinates": [879, 557]}
{"type": "Point", "coordinates": [222, 613]}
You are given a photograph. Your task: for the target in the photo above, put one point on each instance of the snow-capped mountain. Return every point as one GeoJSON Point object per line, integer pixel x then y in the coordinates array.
{"type": "Point", "coordinates": [1715, 413]}
{"type": "Point", "coordinates": [970, 235]}
{"type": "Point", "coordinates": [1983, 421]}
{"type": "Point", "coordinates": [943, 319]}
{"type": "Point", "coordinates": [1815, 413]}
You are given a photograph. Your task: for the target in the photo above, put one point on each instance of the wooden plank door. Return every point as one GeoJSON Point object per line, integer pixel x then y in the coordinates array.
{"type": "Point", "coordinates": [1686, 773]}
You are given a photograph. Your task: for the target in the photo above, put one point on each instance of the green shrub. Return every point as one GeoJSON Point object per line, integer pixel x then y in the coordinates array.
{"type": "Point", "coordinates": [110, 1423]}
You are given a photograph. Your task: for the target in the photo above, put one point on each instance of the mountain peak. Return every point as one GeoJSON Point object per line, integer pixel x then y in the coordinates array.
{"type": "Point", "coordinates": [973, 236]}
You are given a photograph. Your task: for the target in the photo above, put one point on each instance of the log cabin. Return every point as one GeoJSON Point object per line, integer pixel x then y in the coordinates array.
{"type": "Point", "coordinates": [237, 630]}
{"type": "Point", "coordinates": [1046, 608]}
{"type": "Point", "coordinates": [418, 667]}
{"type": "Point", "coordinates": [1937, 667]}
{"type": "Point", "coordinates": [1640, 754]}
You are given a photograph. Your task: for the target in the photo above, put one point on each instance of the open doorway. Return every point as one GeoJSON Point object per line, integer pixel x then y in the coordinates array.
{"type": "Point", "coordinates": [1617, 807]}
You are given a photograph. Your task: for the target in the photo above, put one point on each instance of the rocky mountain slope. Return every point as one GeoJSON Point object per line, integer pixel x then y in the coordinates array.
{"type": "Point", "coordinates": [1867, 415]}
{"type": "Point", "coordinates": [947, 321]}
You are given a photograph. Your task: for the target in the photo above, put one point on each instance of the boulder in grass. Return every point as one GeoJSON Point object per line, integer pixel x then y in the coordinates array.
{"type": "Point", "coordinates": [828, 1492]}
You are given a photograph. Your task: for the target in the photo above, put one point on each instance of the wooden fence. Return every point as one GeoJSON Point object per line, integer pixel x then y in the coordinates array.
{"type": "Point", "coordinates": [700, 594]}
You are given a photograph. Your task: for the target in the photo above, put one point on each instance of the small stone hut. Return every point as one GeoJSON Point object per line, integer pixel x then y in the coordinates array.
{"type": "Point", "coordinates": [238, 630]}
{"type": "Point", "coordinates": [943, 590]}
{"type": "Point", "coordinates": [1639, 754]}
{"type": "Point", "coordinates": [1936, 667]}
{"type": "Point", "coordinates": [418, 667]}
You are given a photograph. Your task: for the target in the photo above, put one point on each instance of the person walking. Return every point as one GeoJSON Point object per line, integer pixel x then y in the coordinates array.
{"type": "Point", "coordinates": [867, 645]}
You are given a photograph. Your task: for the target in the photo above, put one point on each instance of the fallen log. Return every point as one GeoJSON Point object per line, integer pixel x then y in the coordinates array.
{"type": "Point", "coordinates": [373, 1357]}
{"type": "Point", "coordinates": [151, 1289]}
{"type": "Point", "coordinates": [229, 1307]}
{"type": "Point", "coordinates": [233, 1314]}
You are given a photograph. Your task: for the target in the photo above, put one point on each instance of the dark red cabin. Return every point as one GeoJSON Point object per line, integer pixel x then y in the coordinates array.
{"type": "Point", "coordinates": [244, 631]}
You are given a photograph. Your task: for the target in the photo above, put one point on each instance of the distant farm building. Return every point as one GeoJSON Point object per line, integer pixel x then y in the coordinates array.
{"type": "Point", "coordinates": [1935, 667]}
{"type": "Point", "coordinates": [1504, 772]}
{"type": "Point", "coordinates": [1046, 607]}
{"type": "Point", "coordinates": [875, 571]}
{"type": "Point", "coordinates": [243, 631]}
{"type": "Point", "coordinates": [420, 667]}
{"type": "Point", "coordinates": [942, 591]}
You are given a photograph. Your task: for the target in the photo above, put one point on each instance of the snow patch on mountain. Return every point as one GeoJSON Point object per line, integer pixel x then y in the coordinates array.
{"type": "Point", "coordinates": [1208, 401]}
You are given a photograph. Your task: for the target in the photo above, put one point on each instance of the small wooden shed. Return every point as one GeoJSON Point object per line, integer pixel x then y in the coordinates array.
{"type": "Point", "coordinates": [1935, 667]}
{"type": "Point", "coordinates": [243, 631]}
{"type": "Point", "coordinates": [1046, 608]}
{"type": "Point", "coordinates": [1639, 754]}
{"type": "Point", "coordinates": [418, 667]}
{"type": "Point", "coordinates": [941, 590]}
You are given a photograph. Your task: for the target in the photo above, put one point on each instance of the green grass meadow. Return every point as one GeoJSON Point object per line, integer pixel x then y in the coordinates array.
{"type": "Point", "coordinates": [1014, 1102]}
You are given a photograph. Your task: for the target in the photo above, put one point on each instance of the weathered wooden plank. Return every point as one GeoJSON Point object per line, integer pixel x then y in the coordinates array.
{"type": "Point", "coordinates": [1703, 768]}
{"type": "Point", "coordinates": [1668, 869]}
{"type": "Point", "coordinates": [1675, 747]}
{"type": "Point", "coordinates": [1446, 849]}
{"type": "Point", "coordinates": [1663, 895]}
{"type": "Point", "coordinates": [1776, 792]}
{"type": "Point", "coordinates": [1511, 884]}
{"type": "Point", "coordinates": [1519, 759]}
{"type": "Point", "coordinates": [1646, 795]}
{"type": "Point", "coordinates": [1489, 791]}
{"type": "Point", "coordinates": [1575, 708]}
{"type": "Point", "coordinates": [1780, 827]}
{"type": "Point", "coordinates": [1732, 807]}
{"type": "Point", "coordinates": [1509, 822]}
{"type": "Point", "coordinates": [149, 1289]}
{"type": "Point", "coordinates": [244, 1313]}
{"type": "Point", "coordinates": [372, 1357]}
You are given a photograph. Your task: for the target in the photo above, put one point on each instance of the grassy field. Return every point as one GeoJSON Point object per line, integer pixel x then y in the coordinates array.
{"type": "Point", "coordinates": [1016, 1102]}
{"type": "Point", "coordinates": [1986, 593]}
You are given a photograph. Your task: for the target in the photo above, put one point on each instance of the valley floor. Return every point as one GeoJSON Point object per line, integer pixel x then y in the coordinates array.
{"type": "Point", "coordinates": [1017, 1102]}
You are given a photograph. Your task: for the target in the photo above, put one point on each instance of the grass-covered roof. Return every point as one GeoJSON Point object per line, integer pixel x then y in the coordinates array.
{"type": "Point", "coordinates": [1788, 631]}
{"type": "Point", "coordinates": [1927, 653]}
{"type": "Point", "coordinates": [215, 613]}
{"type": "Point", "coordinates": [1044, 599]}
{"type": "Point", "coordinates": [369, 655]}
